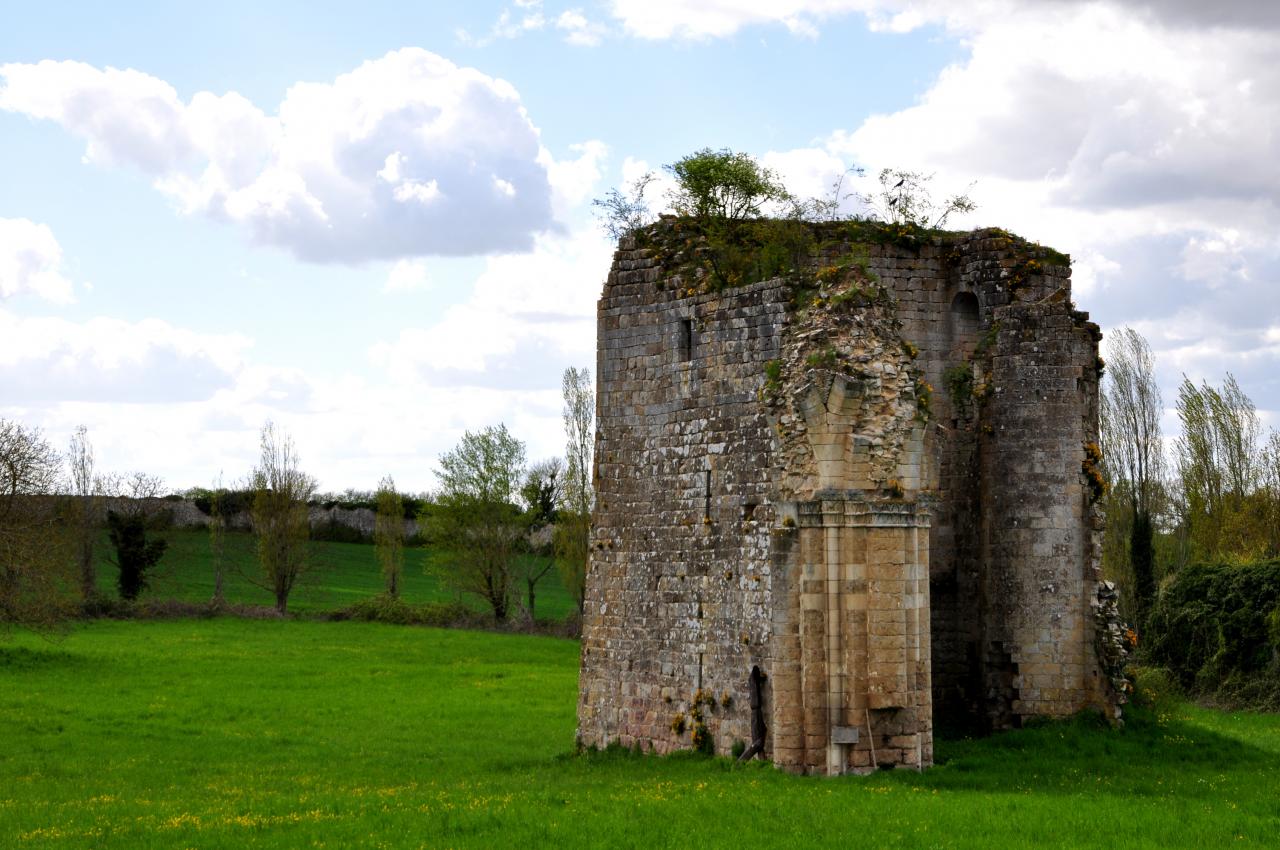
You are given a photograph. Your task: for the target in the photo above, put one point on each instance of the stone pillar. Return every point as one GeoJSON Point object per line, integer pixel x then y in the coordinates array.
{"type": "Point", "coordinates": [864, 636]}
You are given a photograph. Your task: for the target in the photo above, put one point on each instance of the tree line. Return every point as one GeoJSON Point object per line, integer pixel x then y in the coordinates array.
{"type": "Point", "coordinates": [1209, 494]}
{"type": "Point", "coordinates": [491, 507]}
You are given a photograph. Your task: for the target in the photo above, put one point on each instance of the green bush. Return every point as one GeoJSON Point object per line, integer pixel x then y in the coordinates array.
{"type": "Point", "coordinates": [388, 609]}
{"type": "Point", "coordinates": [1213, 627]}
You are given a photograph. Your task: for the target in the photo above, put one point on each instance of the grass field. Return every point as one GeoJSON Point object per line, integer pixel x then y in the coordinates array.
{"type": "Point", "coordinates": [231, 733]}
{"type": "Point", "coordinates": [343, 573]}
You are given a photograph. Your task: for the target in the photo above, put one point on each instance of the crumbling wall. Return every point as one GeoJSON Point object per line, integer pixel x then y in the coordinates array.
{"type": "Point", "coordinates": [805, 474]}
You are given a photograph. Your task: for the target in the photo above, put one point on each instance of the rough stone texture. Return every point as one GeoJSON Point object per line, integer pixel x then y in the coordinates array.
{"type": "Point", "coordinates": [784, 480]}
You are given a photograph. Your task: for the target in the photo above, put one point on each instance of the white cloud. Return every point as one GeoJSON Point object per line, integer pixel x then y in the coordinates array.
{"type": "Point", "coordinates": [407, 276]}
{"type": "Point", "coordinates": [573, 180]}
{"type": "Point", "coordinates": [397, 158]}
{"type": "Point", "coordinates": [529, 316]}
{"type": "Point", "coordinates": [695, 19]}
{"type": "Point", "coordinates": [579, 30]}
{"type": "Point", "coordinates": [49, 360]}
{"type": "Point", "coordinates": [31, 261]}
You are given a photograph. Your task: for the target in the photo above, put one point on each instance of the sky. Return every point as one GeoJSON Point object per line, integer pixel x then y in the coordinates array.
{"type": "Point", "coordinates": [371, 224]}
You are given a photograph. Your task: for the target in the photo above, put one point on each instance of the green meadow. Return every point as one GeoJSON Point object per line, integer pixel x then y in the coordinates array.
{"type": "Point", "coordinates": [230, 733]}
{"type": "Point", "coordinates": [341, 574]}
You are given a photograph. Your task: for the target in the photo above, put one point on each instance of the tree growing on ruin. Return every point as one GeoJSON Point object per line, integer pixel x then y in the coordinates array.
{"type": "Point", "coordinates": [621, 213]}
{"type": "Point", "coordinates": [724, 185]}
{"type": "Point", "coordinates": [38, 572]}
{"type": "Point", "coordinates": [280, 494]}
{"type": "Point", "coordinates": [1133, 450]}
{"type": "Point", "coordinates": [476, 516]}
{"type": "Point", "coordinates": [573, 533]}
{"type": "Point", "coordinates": [904, 197]}
{"type": "Point", "coordinates": [388, 534]}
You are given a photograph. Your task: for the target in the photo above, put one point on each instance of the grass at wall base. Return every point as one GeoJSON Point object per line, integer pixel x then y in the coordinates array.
{"type": "Point", "coordinates": [232, 733]}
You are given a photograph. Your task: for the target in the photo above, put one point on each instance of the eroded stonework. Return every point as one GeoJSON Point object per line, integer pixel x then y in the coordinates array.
{"type": "Point", "coordinates": [868, 479]}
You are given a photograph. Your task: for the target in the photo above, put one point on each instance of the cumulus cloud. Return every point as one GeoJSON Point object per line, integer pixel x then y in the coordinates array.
{"type": "Point", "coordinates": [528, 317]}
{"type": "Point", "coordinates": [49, 360]}
{"type": "Point", "coordinates": [407, 155]}
{"type": "Point", "coordinates": [31, 261]}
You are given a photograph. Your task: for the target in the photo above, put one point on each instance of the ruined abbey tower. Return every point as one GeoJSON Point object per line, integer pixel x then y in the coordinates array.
{"type": "Point", "coordinates": [871, 478]}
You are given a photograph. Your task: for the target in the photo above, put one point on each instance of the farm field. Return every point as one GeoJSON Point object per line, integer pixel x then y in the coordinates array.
{"type": "Point", "coordinates": [344, 573]}
{"type": "Point", "coordinates": [227, 733]}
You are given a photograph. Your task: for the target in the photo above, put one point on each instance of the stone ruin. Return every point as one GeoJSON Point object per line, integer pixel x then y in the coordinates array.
{"type": "Point", "coordinates": [872, 482]}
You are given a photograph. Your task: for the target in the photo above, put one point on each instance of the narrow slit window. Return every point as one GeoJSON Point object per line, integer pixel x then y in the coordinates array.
{"type": "Point", "coordinates": [686, 339]}
{"type": "Point", "coordinates": [706, 508]}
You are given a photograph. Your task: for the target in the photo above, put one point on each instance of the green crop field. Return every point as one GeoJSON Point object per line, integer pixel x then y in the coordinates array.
{"type": "Point", "coordinates": [226, 733]}
{"type": "Point", "coordinates": [343, 573]}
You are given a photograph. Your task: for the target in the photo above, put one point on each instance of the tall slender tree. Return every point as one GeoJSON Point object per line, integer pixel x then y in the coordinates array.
{"type": "Point", "coordinates": [86, 492]}
{"type": "Point", "coordinates": [573, 533]}
{"type": "Point", "coordinates": [280, 493]}
{"type": "Point", "coordinates": [388, 534]}
{"type": "Point", "coordinates": [1133, 452]}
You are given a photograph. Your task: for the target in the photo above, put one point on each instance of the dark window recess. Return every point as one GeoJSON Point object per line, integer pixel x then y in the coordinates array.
{"type": "Point", "coordinates": [706, 510]}
{"type": "Point", "coordinates": [686, 339]}
{"type": "Point", "coordinates": [749, 511]}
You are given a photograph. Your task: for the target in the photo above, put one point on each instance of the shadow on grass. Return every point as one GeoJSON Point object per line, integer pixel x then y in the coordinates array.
{"type": "Point", "coordinates": [1156, 748]}
{"type": "Point", "coordinates": [21, 659]}
{"type": "Point", "coordinates": [1158, 752]}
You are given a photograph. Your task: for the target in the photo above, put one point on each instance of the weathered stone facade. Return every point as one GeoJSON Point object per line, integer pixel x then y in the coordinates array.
{"type": "Point", "coordinates": [868, 479]}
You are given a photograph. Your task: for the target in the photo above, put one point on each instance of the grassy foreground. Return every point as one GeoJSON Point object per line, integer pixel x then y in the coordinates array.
{"type": "Point", "coordinates": [230, 733]}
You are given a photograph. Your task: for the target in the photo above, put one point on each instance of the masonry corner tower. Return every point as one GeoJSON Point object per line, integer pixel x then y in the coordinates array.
{"type": "Point", "coordinates": [871, 478]}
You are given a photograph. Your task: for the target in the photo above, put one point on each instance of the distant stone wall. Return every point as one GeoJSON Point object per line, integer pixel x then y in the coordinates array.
{"type": "Point", "coordinates": [785, 480]}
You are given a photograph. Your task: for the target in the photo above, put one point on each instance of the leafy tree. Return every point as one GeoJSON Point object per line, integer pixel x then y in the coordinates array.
{"type": "Point", "coordinates": [1218, 463]}
{"type": "Point", "coordinates": [388, 534]}
{"type": "Point", "coordinates": [135, 554]}
{"type": "Point", "coordinates": [541, 493]}
{"type": "Point", "coordinates": [476, 515]}
{"type": "Point", "coordinates": [722, 185]}
{"type": "Point", "coordinates": [280, 494]}
{"type": "Point", "coordinates": [573, 533]}
{"type": "Point", "coordinates": [38, 587]}
{"type": "Point", "coordinates": [904, 198]}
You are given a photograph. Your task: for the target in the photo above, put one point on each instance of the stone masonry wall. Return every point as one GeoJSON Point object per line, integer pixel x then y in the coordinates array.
{"type": "Point", "coordinates": [805, 475]}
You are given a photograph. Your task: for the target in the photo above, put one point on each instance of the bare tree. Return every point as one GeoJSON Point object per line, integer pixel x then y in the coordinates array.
{"type": "Point", "coordinates": [218, 541]}
{"type": "Point", "coordinates": [38, 581]}
{"type": "Point", "coordinates": [476, 515]}
{"type": "Point", "coordinates": [281, 490]}
{"type": "Point", "coordinates": [574, 530]}
{"type": "Point", "coordinates": [86, 492]}
{"type": "Point", "coordinates": [904, 198]}
{"type": "Point", "coordinates": [388, 534]}
{"type": "Point", "coordinates": [1133, 453]}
